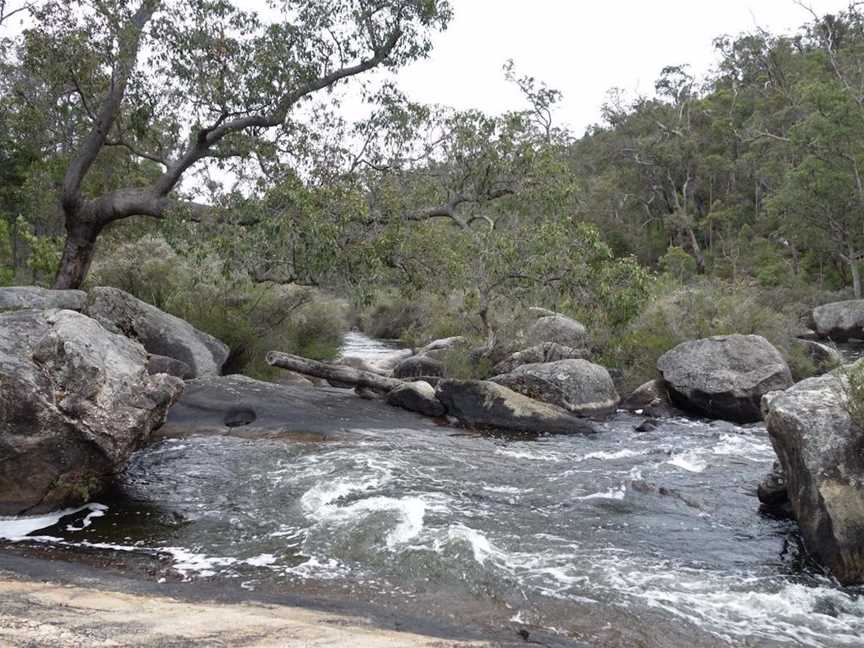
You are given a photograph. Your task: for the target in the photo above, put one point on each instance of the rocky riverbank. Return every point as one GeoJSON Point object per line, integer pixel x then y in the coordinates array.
{"type": "Point", "coordinates": [36, 613]}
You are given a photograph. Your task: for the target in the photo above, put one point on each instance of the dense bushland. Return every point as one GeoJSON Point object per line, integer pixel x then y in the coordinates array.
{"type": "Point", "coordinates": [730, 203]}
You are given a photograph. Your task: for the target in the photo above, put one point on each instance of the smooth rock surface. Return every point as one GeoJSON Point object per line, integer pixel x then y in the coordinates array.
{"type": "Point", "coordinates": [75, 402]}
{"type": "Point", "coordinates": [417, 397]}
{"type": "Point", "coordinates": [840, 321]}
{"type": "Point", "coordinates": [725, 376]}
{"type": "Point", "coordinates": [490, 405]}
{"type": "Point", "coordinates": [579, 386]}
{"type": "Point", "coordinates": [821, 451]}
{"type": "Point", "coordinates": [298, 413]}
{"type": "Point", "coordinates": [37, 298]}
{"type": "Point", "coordinates": [157, 364]}
{"type": "Point", "coordinates": [546, 352]}
{"type": "Point", "coordinates": [159, 332]}
{"type": "Point", "coordinates": [560, 329]}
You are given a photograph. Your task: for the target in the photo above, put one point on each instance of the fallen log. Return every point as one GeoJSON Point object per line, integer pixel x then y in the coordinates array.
{"type": "Point", "coordinates": [334, 372]}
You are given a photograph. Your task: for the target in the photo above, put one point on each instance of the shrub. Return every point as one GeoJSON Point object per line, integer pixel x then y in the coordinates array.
{"type": "Point", "coordinates": [250, 318]}
{"type": "Point", "coordinates": [677, 263]}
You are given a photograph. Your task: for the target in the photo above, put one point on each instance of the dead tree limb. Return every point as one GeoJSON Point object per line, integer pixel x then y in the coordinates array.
{"type": "Point", "coordinates": [336, 373]}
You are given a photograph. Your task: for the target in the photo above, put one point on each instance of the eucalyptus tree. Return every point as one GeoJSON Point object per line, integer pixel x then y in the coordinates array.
{"type": "Point", "coordinates": [183, 84]}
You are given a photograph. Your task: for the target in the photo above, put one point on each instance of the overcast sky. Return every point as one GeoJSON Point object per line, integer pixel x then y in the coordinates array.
{"type": "Point", "coordinates": [583, 48]}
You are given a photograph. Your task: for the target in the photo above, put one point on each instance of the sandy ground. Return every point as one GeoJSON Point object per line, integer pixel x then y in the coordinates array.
{"type": "Point", "coordinates": [47, 615]}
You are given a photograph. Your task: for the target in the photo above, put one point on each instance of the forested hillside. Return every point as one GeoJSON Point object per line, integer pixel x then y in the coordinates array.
{"type": "Point", "coordinates": [200, 161]}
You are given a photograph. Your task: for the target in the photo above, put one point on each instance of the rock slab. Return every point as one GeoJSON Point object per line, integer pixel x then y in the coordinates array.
{"type": "Point", "coordinates": [417, 397]}
{"type": "Point", "coordinates": [579, 386]}
{"type": "Point", "coordinates": [486, 404]}
{"type": "Point", "coordinates": [821, 452]}
{"type": "Point", "coordinates": [37, 298]}
{"type": "Point", "coordinates": [160, 333]}
{"type": "Point", "coordinates": [75, 402]}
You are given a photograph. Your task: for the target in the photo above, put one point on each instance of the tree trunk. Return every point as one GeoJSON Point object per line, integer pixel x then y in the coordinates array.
{"type": "Point", "coordinates": [336, 373]}
{"type": "Point", "coordinates": [696, 249]}
{"type": "Point", "coordinates": [855, 269]}
{"type": "Point", "coordinates": [77, 256]}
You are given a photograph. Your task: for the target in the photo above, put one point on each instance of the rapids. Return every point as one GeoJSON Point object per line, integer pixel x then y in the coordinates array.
{"type": "Point", "coordinates": [617, 539]}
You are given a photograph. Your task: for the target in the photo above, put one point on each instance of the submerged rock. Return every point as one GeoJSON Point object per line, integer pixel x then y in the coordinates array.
{"type": "Point", "coordinates": [417, 397]}
{"type": "Point", "coordinates": [821, 452]}
{"type": "Point", "coordinates": [37, 298]}
{"type": "Point", "coordinates": [487, 404]}
{"type": "Point", "coordinates": [546, 352]}
{"type": "Point", "coordinates": [560, 329]}
{"type": "Point", "coordinates": [579, 386]}
{"type": "Point", "coordinates": [159, 332]}
{"type": "Point", "coordinates": [725, 376]}
{"type": "Point", "coordinates": [75, 402]}
{"type": "Point", "coordinates": [840, 320]}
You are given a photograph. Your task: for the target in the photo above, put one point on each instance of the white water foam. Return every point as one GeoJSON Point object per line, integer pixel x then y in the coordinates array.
{"type": "Point", "coordinates": [613, 494]}
{"type": "Point", "coordinates": [690, 460]}
{"type": "Point", "coordinates": [611, 456]}
{"type": "Point", "coordinates": [18, 528]}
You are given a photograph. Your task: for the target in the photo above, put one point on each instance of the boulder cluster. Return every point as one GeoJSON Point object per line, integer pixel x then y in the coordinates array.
{"type": "Point", "coordinates": [85, 378]}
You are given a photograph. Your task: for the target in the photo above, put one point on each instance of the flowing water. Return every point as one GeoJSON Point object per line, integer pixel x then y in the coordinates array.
{"type": "Point", "coordinates": [619, 539]}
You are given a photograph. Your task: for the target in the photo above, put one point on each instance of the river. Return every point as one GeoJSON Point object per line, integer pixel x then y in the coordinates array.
{"type": "Point", "coordinates": [619, 539]}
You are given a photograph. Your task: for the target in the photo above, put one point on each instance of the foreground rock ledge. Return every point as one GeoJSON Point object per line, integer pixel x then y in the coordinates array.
{"type": "Point", "coordinates": [62, 616]}
{"type": "Point", "coordinates": [75, 402]}
{"type": "Point", "coordinates": [821, 452]}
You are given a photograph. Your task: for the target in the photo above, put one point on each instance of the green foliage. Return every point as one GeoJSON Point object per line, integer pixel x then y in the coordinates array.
{"type": "Point", "coordinates": [461, 364]}
{"type": "Point", "coordinates": [250, 318]}
{"type": "Point", "coordinates": [44, 255]}
{"type": "Point", "coordinates": [678, 264]}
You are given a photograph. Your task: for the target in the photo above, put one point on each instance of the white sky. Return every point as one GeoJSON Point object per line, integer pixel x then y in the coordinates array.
{"type": "Point", "coordinates": [583, 48]}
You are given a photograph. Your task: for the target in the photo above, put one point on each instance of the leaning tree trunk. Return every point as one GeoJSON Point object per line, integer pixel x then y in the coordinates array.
{"type": "Point", "coordinates": [337, 373]}
{"type": "Point", "coordinates": [855, 269]}
{"type": "Point", "coordinates": [77, 256]}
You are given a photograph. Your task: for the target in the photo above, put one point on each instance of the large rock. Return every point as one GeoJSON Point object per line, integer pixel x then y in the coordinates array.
{"type": "Point", "coordinates": [579, 386]}
{"type": "Point", "coordinates": [490, 405]}
{"type": "Point", "coordinates": [559, 329]}
{"type": "Point", "coordinates": [36, 298]}
{"type": "Point", "coordinates": [840, 320]}
{"type": "Point", "coordinates": [419, 366]}
{"type": "Point", "coordinates": [240, 406]}
{"type": "Point", "coordinates": [725, 376]}
{"type": "Point", "coordinates": [546, 352]}
{"type": "Point", "coordinates": [417, 397]}
{"type": "Point", "coordinates": [75, 402]}
{"type": "Point", "coordinates": [159, 332]}
{"type": "Point", "coordinates": [651, 399]}
{"type": "Point", "coordinates": [821, 451]}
